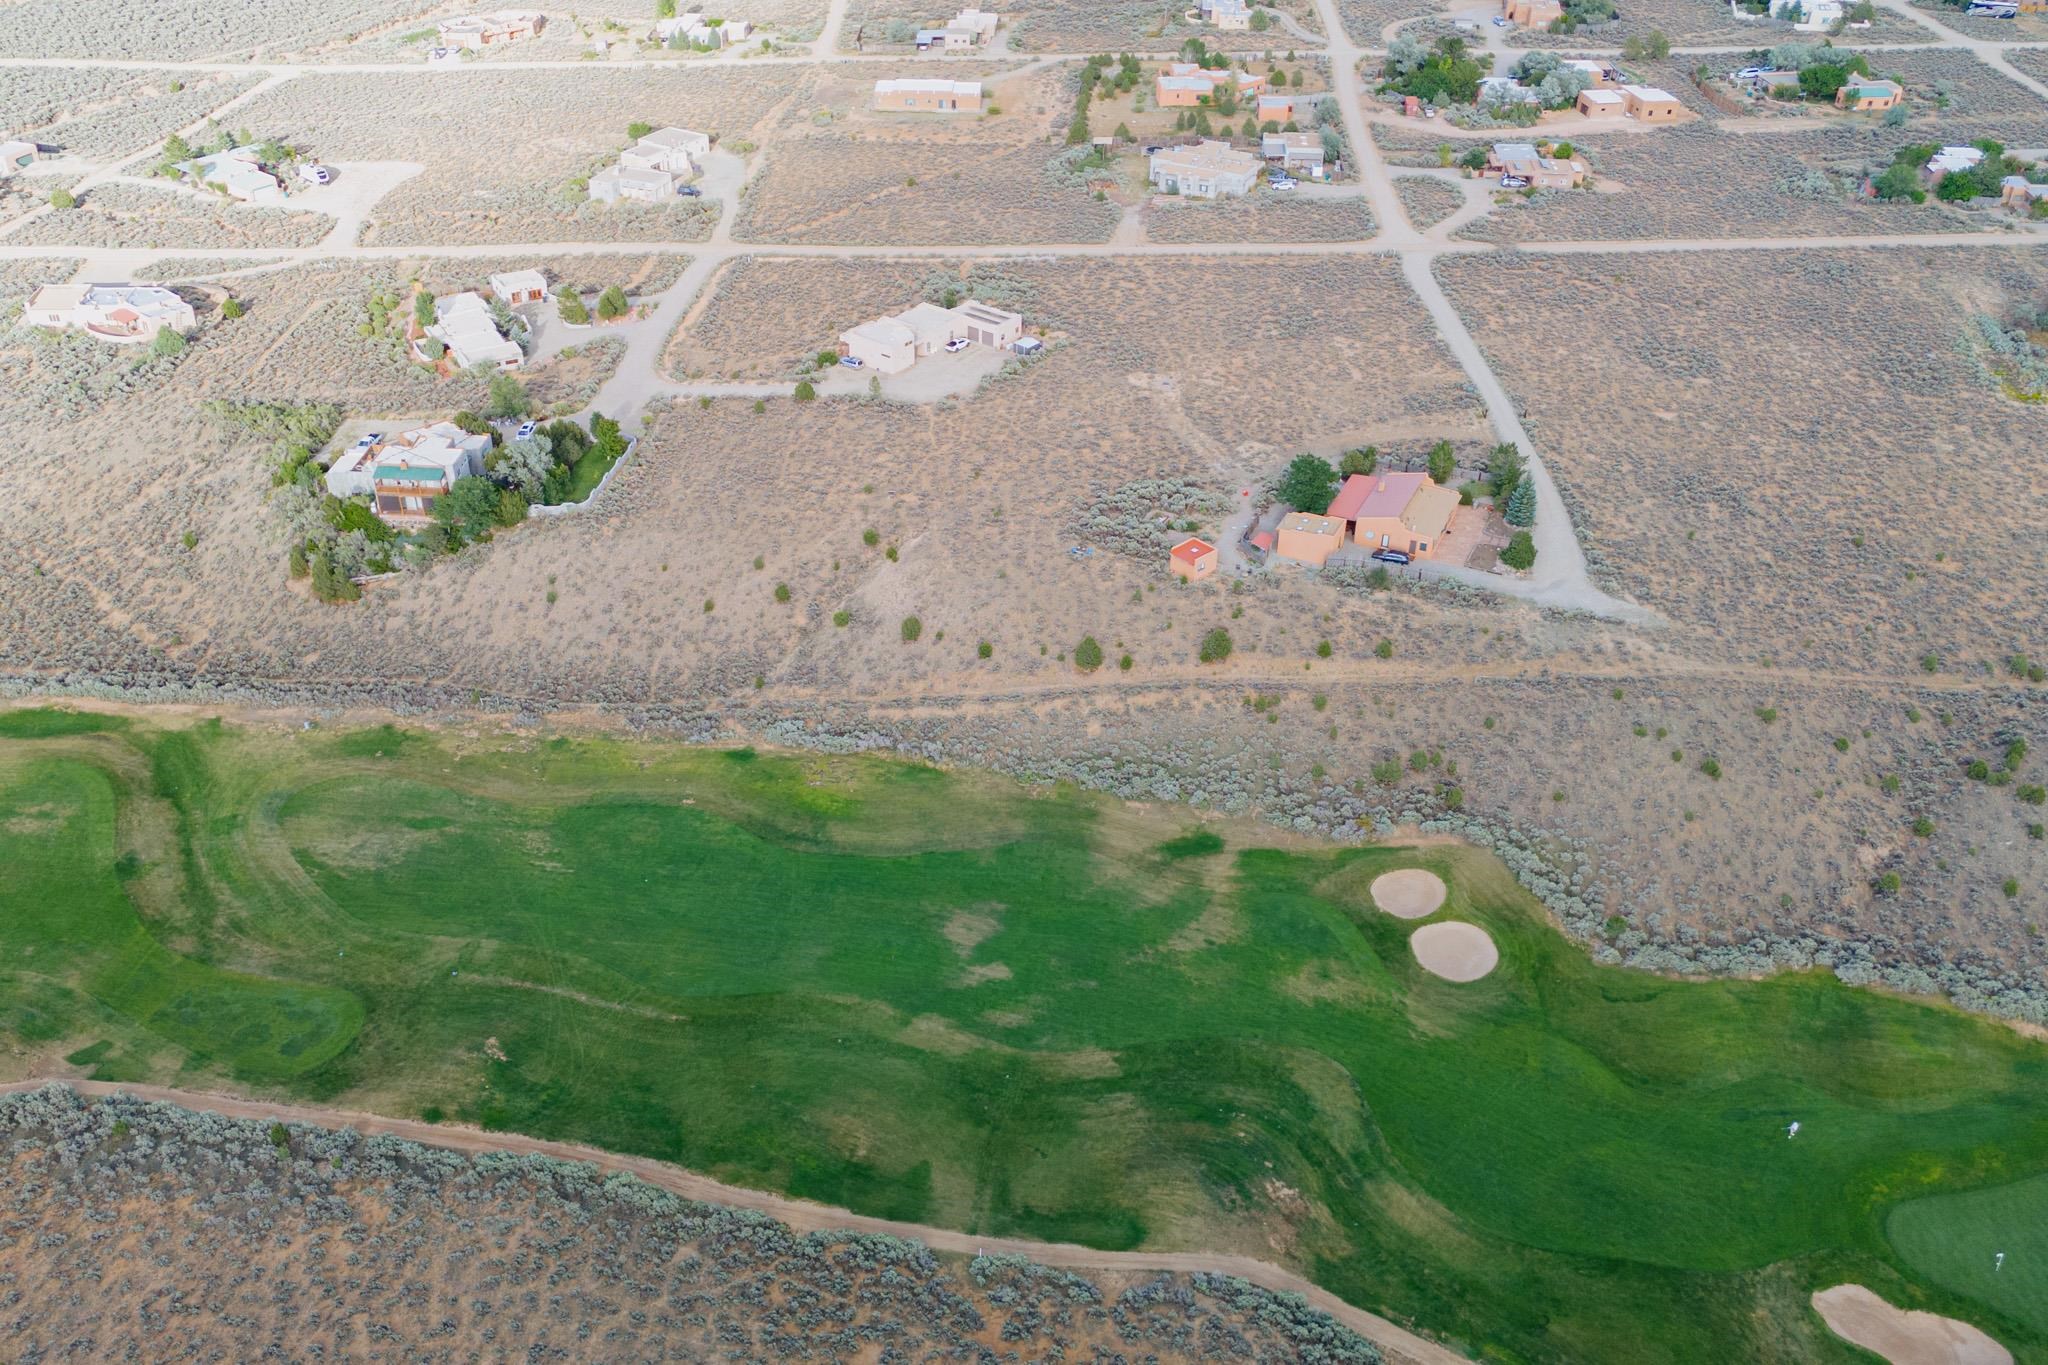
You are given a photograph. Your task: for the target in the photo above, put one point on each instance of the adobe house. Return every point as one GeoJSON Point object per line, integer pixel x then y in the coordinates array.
{"type": "Point", "coordinates": [1309, 539]}
{"type": "Point", "coordinates": [1868, 96]}
{"type": "Point", "coordinates": [1532, 13]}
{"type": "Point", "coordinates": [1407, 512]}
{"type": "Point", "coordinates": [516, 287]}
{"type": "Point", "coordinates": [1542, 172]}
{"type": "Point", "coordinates": [1650, 104]}
{"type": "Point", "coordinates": [928, 96]}
{"type": "Point", "coordinates": [1601, 103]}
{"type": "Point", "coordinates": [1193, 559]}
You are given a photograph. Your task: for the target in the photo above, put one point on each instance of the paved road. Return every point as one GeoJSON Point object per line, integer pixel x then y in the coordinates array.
{"type": "Point", "coordinates": [801, 1215]}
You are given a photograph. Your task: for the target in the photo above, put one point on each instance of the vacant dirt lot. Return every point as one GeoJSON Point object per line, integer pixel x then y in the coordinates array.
{"type": "Point", "coordinates": [761, 319]}
{"type": "Point", "coordinates": [1729, 516]}
{"type": "Point", "coordinates": [1132, 25]}
{"type": "Point", "coordinates": [836, 171]}
{"type": "Point", "coordinates": [185, 30]}
{"type": "Point", "coordinates": [565, 124]}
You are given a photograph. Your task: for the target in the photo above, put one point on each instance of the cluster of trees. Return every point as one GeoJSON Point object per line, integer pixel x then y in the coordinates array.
{"type": "Point", "coordinates": [1557, 86]}
{"type": "Point", "coordinates": [1823, 68]}
{"type": "Point", "coordinates": [1652, 46]}
{"type": "Point", "coordinates": [1578, 13]}
{"type": "Point", "coordinates": [612, 303]}
{"type": "Point", "coordinates": [1116, 76]}
{"type": "Point", "coordinates": [335, 540]}
{"type": "Point", "coordinates": [271, 152]}
{"type": "Point", "coordinates": [1903, 178]}
{"type": "Point", "coordinates": [1443, 74]}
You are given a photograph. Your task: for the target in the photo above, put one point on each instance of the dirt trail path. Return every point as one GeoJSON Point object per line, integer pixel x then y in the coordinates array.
{"type": "Point", "coordinates": [1400, 1345]}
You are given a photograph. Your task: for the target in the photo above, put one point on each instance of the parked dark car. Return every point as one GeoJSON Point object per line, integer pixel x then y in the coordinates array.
{"type": "Point", "coordinates": [1391, 556]}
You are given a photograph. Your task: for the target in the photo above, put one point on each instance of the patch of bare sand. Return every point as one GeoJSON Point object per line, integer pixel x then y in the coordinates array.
{"type": "Point", "coordinates": [1410, 893]}
{"type": "Point", "coordinates": [1903, 1336]}
{"type": "Point", "coordinates": [1454, 950]}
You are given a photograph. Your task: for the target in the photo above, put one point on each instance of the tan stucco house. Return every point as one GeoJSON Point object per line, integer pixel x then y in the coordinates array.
{"type": "Point", "coordinates": [1308, 539]}
{"type": "Point", "coordinates": [1408, 512]}
{"type": "Point", "coordinates": [910, 96]}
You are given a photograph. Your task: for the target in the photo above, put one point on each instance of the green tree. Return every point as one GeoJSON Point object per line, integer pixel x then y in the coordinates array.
{"type": "Point", "coordinates": [637, 130]}
{"type": "Point", "coordinates": [1088, 654]}
{"type": "Point", "coordinates": [612, 303]}
{"type": "Point", "coordinates": [912, 628]}
{"type": "Point", "coordinates": [423, 308]}
{"type": "Point", "coordinates": [1216, 646]}
{"type": "Point", "coordinates": [1504, 468]}
{"type": "Point", "coordinates": [1520, 552]}
{"type": "Point", "coordinates": [507, 397]}
{"type": "Point", "coordinates": [1362, 461]}
{"type": "Point", "coordinates": [231, 308]}
{"type": "Point", "coordinates": [468, 509]}
{"type": "Point", "coordinates": [1309, 484]}
{"type": "Point", "coordinates": [805, 391]}
{"type": "Point", "coordinates": [569, 304]}
{"type": "Point", "coordinates": [1521, 508]}
{"type": "Point", "coordinates": [1822, 81]}
{"type": "Point", "coordinates": [1443, 462]}
{"type": "Point", "coordinates": [168, 342]}
{"type": "Point", "coordinates": [1260, 23]}
{"type": "Point", "coordinates": [61, 198]}
{"type": "Point", "coordinates": [1659, 46]}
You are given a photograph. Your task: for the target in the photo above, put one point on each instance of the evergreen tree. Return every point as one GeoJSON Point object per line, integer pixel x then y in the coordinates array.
{"type": "Point", "coordinates": [1521, 508]}
{"type": "Point", "coordinates": [569, 304]}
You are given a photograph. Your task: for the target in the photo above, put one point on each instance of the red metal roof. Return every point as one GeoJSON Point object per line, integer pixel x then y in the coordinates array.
{"type": "Point", "coordinates": [1192, 549]}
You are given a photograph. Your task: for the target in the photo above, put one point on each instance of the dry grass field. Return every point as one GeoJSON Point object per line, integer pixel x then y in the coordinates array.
{"type": "Point", "coordinates": [1427, 202]}
{"type": "Point", "coordinates": [565, 124]}
{"type": "Point", "coordinates": [1263, 217]}
{"type": "Point", "coordinates": [98, 114]}
{"type": "Point", "coordinates": [186, 30]}
{"type": "Point", "coordinates": [126, 214]}
{"type": "Point", "coordinates": [1702, 23]}
{"type": "Point", "coordinates": [1728, 517]}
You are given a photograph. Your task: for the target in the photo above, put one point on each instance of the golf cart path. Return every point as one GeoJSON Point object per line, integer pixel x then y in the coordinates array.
{"type": "Point", "coordinates": [1401, 1346]}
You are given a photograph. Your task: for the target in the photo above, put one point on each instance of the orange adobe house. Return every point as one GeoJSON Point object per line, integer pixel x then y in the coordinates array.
{"type": "Point", "coordinates": [1866, 96]}
{"type": "Point", "coordinates": [1405, 512]}
{"type": "Point", "coordinates": [1309, 539]}
{"type": "Point", "coordinates": [1193, 559]}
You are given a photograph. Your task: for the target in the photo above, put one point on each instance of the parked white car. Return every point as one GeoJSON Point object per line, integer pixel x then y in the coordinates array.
{"type": "Point", "coordinates": [313, 173]}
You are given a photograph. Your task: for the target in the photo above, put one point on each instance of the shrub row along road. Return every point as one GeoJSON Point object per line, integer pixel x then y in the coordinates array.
{"type": "Point", "coordinates": [1399, 1344]}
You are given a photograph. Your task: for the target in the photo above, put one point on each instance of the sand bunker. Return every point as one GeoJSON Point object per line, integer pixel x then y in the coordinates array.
{"type": "Point", "coordinates": [1410, 893]}
{"type": "Point", "coordinates": [1454, 950]}
{"type": "Point", "coordinates": [1903, 1337]}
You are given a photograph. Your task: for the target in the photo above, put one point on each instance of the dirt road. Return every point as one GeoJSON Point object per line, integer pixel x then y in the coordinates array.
{"type": "Point", "coordinates": [1400, 1345]}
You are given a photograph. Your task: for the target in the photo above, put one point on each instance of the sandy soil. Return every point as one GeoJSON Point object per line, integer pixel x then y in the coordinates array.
{"type": "Point", "coordinates": [1902, 1337]}
{"type": "Point", "coordinates": [1410, 893]}
{"type": "Point", "coordinates": [1454, 950]}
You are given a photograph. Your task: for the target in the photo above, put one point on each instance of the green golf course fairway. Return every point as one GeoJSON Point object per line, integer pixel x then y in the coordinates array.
{"type": "Point", "coordinates": [954, 999]}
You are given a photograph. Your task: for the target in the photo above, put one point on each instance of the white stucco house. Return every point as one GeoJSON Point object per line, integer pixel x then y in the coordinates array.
{"type": "Point", "coordinates": [119, 313]}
